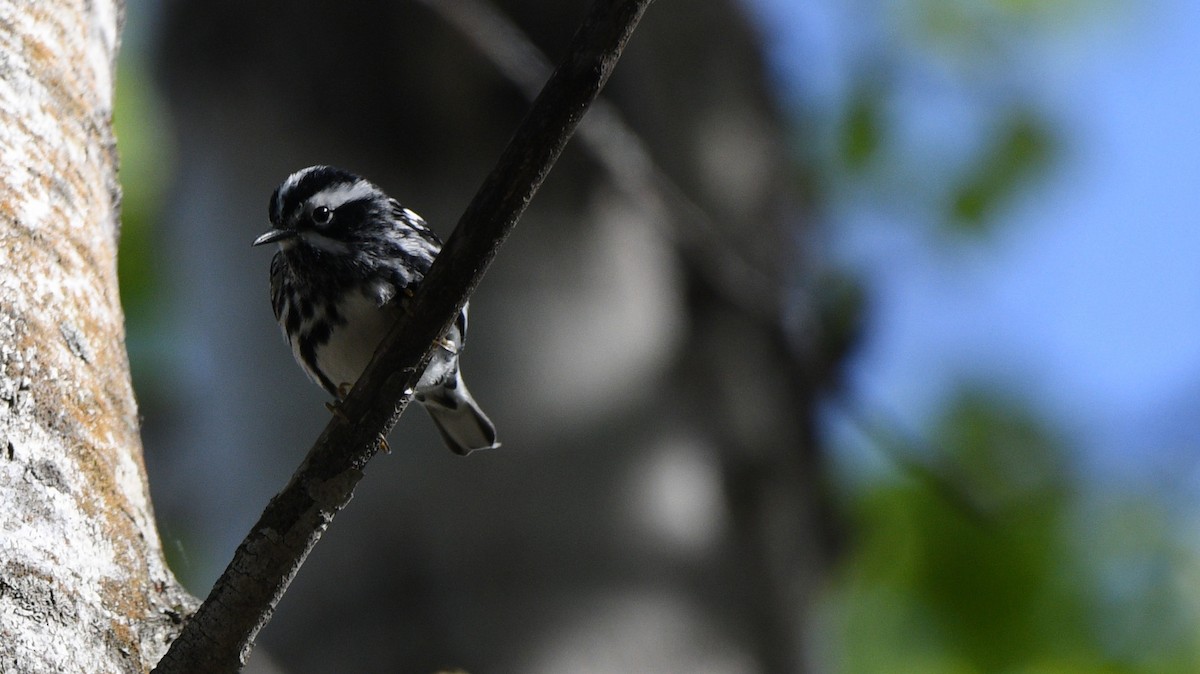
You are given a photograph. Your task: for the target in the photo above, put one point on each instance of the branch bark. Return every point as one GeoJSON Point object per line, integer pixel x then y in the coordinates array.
{"type": "Point", "coordinates": [83, 583]}
{"type": "Point", "coordinates": [220, 635]}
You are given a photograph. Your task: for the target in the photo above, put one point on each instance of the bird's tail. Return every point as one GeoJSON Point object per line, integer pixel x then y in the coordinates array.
{"type": "Point", "coordinates": [464, 427]}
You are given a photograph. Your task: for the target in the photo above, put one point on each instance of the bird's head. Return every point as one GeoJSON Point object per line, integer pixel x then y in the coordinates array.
{"type": "Point", "coordinates": [324, 209]}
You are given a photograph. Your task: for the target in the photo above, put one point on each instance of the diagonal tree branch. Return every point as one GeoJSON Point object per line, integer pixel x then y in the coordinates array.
{"type": "Point", "coordinates": [220, 635]}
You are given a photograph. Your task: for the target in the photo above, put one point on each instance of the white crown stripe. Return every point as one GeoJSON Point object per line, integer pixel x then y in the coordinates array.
{"type": "Point", "coordinates": [344, 193]}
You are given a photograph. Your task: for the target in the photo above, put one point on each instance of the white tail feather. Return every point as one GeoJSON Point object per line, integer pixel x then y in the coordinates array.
{"type": "Point", "coordinates": [464, 427]}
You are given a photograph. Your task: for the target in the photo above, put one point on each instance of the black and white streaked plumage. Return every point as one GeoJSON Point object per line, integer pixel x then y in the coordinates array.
{"type": "Point", "coordinates": [349, 258]}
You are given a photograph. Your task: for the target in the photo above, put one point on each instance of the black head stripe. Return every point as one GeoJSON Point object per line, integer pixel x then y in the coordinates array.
{"type": "Point", "coordinates": [273, 208]}
{"type": "Point", "coordinates": [295, 191]}
{"type": "Point", "coordinates": [359, 210]}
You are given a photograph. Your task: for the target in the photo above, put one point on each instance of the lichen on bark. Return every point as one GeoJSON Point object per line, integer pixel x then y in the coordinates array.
{"type": "Point", "coordinates": [83, 583]}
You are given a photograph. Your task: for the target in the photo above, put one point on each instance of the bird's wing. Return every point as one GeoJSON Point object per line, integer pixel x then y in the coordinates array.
{"type": "Point", "coordinates": [406, 217]}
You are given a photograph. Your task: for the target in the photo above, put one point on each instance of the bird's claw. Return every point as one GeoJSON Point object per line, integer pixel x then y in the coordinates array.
{"type": "Point", "coordinates": [336, 408]}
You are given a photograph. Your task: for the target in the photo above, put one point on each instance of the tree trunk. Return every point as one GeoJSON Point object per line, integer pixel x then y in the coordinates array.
{"type": "Point", "coordinates": [83, 583]}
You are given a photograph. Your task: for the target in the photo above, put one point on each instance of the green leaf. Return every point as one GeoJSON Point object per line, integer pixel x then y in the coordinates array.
{"type": "Point", "coordinates": [1021, 149]}
{"type": "Point", "coordinates": [862, 127]}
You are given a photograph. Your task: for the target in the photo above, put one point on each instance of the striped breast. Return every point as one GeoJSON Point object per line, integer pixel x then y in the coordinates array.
{"type": "Point", "coordinates": [341, 353]}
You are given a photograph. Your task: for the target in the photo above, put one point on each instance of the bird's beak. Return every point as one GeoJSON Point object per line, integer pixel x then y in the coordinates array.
{"type": "Point", "coordinates": [274, 235]}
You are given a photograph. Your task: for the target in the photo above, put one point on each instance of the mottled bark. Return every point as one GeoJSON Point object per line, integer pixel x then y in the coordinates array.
{"type": "Point", "coordinates": [83, 584]}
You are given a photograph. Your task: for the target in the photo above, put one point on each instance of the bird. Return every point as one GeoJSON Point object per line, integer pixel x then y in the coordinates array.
{"type": "Point", "coordinates": [350, 258]}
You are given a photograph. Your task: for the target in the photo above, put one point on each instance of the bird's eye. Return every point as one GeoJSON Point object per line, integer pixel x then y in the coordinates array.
{"type": "Point", "coordinates": [321, 215]}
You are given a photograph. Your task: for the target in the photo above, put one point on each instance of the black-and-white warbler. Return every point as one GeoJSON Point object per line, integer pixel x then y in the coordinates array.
{"type": "Point", "coordinates": [349, 258]}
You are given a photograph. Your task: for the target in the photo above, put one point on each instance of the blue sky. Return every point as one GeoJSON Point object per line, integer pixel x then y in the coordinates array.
{"type": "Point", "coordinates": [1087, 298]}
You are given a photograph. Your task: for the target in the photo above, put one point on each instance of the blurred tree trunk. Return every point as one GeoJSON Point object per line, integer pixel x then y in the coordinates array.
{"type": "Point", "coordinates": [83, 584]}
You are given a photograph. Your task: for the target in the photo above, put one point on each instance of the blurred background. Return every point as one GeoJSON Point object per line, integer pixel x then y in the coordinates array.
{"type": "Point", "coordinates": [847, 337]}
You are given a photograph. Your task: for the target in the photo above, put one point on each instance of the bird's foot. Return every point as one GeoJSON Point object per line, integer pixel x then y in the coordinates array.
{"type": "Point", "coordinates": [448, 345]}
{"type": "Point", "coordinates": [336, 408]}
